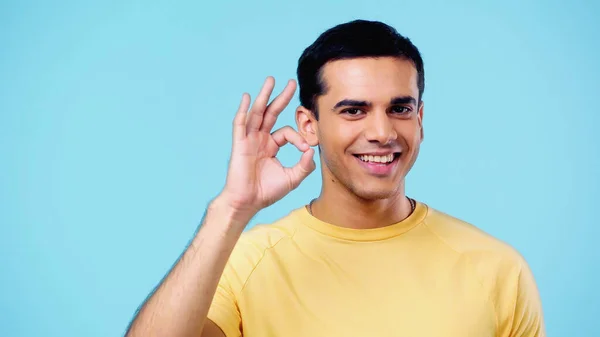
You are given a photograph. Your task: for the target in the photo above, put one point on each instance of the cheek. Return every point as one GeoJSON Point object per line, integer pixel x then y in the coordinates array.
{"type": "Point", "coordinates": [411, 134]}
{"type": "Point", "coordinates": [335, 143]}
{"type": "Point", "coordinates": [337, 138]}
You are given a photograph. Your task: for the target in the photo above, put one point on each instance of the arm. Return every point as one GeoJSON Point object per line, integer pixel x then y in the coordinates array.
{"type": "Point", "coordinates": [255, 180]}
{"type": "Point", "coordinates": [181, 302]}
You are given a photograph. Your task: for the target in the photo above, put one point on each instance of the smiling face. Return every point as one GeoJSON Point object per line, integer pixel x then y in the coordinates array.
{"type": "Point", "coordinates": [370, 125]}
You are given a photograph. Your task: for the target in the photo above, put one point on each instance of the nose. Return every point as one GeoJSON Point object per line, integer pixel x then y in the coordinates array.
{"type": "Point", "coordinates": [380, 129]}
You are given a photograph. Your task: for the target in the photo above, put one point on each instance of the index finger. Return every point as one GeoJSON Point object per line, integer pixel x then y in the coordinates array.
{"type": "Point", "coordinates": [288, 135]}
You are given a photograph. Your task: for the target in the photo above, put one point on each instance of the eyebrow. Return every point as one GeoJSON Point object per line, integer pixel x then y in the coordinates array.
{"type": "Point", "coordinates": [351, 102]}
{"type": "Point", "coordinates": [357, 103]}
{"type": "Point", "coordinates": [403, 100]}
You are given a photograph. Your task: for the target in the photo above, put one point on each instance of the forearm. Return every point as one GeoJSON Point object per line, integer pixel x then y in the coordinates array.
{"type": "Point", "coordinates": [181, 302]}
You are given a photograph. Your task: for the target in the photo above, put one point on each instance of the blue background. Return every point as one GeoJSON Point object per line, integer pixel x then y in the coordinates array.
{"type": "Point", "coordinates": [115, 132]}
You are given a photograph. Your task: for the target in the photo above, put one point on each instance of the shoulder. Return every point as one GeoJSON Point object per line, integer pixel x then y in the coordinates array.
{"type": "Point", "coordinates": [487, 254]}
{"type": "Point", "coordinates": [256, 242]}
{"type": "Point", "coordinates": [503, 272]}
{"type": "Point", "coordinates": [265, 236]}
{"type": "Point", "coordinates": [465, 237]}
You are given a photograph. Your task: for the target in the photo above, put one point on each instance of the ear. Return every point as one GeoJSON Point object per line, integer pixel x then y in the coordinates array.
{"type": "Point", "coordinates": [420, 118]}
{"type": "Point", "coordinates": [307, 125]}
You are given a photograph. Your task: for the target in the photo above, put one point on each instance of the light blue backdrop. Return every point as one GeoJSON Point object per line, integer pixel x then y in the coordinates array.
{"type": "Point", "coordinates": [115, 133]}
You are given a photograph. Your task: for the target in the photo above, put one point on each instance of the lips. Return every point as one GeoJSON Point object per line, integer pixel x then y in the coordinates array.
{"type": "Point", "coordinates": [378, 164]}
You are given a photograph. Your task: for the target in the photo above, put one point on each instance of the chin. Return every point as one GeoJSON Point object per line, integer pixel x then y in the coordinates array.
{"type": "Point", "coordinates": [375, 194]}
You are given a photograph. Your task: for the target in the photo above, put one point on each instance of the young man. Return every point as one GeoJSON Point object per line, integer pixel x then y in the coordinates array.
{"type": "Point", "coordinates": [362, 259]}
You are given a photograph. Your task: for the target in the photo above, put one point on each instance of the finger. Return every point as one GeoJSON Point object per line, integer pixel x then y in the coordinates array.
{"type": "Point", "coordinates": [239, 122]}
{"type": "Point", "coordinates": [288, 135]}
{"type": "Point", "coordinates": [303, 168]}
{"type": "Point", "coordinates": [278, 105]}
{"type": "Point", "coordinates": [260, 105]}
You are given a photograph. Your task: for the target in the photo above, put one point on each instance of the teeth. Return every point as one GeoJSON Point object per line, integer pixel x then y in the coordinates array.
{"type": "Point", "coordinates": [377, 159]}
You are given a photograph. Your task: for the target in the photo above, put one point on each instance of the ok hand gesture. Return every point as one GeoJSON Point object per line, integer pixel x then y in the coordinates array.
{"type": "Point", "coordinates": [256, 179]}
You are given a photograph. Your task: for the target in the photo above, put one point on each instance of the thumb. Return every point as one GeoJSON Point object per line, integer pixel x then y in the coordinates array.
{"type": "Point", "coordinates": [303, 168]}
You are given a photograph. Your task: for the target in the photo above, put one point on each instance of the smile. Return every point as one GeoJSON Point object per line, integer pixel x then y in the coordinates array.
{"type": "Point", "coordinates": [378, 165]}
{"type": "Point", "coordinates": [377, 159]}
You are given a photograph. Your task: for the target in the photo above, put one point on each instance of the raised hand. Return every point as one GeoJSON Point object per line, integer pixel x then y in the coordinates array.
{"type": "Point", "coordinates": [256, 179]}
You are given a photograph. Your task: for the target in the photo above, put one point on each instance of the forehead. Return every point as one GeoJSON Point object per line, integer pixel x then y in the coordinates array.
{"type": "Point", "coordinates": [373, 79]}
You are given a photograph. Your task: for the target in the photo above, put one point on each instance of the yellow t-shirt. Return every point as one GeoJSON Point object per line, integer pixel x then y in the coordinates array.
{"type": "Point", "coordinates": [429, 275]}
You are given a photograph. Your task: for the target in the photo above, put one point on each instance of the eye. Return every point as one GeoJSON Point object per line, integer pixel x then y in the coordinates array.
{"type": "Point", "coordinates": [400, 110]}
{"type": "Point", "coordinates": [352, 111]}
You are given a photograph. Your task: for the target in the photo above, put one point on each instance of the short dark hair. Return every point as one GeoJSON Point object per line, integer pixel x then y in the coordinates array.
{"type": "Point", "coordinates": [354, 39]}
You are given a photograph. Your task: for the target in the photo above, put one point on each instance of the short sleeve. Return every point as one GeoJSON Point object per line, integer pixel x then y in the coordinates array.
{"type": "Point", "coordinates": [527, 319]}
{"type": "Point", "coordinates": [224, 311]}
{"type": "Point", "coordinates": [229, 306]}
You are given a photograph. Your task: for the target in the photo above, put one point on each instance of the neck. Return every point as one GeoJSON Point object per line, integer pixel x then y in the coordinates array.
{"type": "Point", "coordinates": [346, 209]}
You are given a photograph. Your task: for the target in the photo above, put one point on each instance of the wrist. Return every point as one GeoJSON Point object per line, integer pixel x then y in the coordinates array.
{"type": "Point", "coordinates": [226, 209]}
{"type": "Point", "coordinates": [221, 226]}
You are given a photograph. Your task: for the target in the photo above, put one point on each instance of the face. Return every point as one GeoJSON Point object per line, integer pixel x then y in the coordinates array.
{"type": "Point", "coordinates": [370, 125]}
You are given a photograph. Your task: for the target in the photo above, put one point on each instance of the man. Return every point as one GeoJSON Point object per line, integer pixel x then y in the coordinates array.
{"type": "Point", "coordinates": [362, 259]}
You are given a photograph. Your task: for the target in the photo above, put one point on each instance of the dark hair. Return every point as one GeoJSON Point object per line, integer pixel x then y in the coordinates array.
{"type": "Point", "coordinates": [354, 39]}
